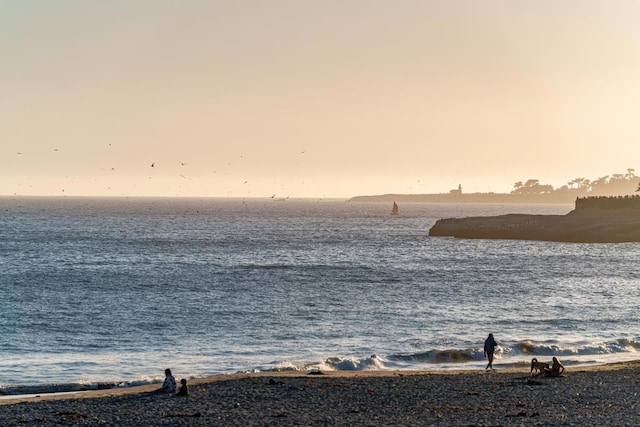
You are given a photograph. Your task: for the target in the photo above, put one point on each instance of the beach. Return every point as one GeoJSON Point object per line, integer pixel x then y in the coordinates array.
{"type": "Point", "coordinates": [592, 395]}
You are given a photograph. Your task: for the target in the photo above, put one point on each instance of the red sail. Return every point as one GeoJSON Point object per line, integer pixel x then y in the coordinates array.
{"type": "Point", "coordinates": [394, 210]}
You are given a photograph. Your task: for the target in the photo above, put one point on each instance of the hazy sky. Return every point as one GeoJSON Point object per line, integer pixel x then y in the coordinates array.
{"type": "Point", "coordinates": [314, 98]}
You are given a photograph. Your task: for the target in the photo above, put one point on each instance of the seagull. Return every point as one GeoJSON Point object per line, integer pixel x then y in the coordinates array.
{"type": "Point", "coordinates": [153, 165]}
{"type": "Point", "coordinates": [182, 164]}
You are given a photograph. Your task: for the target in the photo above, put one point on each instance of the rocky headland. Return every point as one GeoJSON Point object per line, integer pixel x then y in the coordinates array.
{"type": "Point", "coordinates": [594, 220]}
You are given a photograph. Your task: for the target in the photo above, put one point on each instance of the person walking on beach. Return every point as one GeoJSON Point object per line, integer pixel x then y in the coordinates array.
{"type": "Point", "coordinates": [169, 384]}
{"type": "Point", "coordinates": [490, 345]}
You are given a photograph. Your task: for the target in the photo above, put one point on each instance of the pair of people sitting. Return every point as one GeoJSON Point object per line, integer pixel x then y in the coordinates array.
{"type": "Point", "coordinates": [169, 385]}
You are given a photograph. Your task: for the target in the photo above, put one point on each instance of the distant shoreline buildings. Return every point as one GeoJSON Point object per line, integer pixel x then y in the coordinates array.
{"type": "Point", "coordinates": [529, 191]}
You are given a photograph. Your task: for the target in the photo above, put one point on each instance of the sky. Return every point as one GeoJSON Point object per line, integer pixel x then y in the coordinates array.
{"type": "Point", "coordinates": [327, 99]}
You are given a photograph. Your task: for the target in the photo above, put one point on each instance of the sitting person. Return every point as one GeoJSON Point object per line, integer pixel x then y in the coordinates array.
{"type": "Point", "coordinates": [184, 391]}
{"type": "Point", "coordinates": [169, 384]}
{"type": "Point", "coordinates": [556, 368]}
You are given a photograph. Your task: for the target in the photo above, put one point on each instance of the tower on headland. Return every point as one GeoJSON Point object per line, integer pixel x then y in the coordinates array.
{"type": "Point", "coordinates": [458, 191]}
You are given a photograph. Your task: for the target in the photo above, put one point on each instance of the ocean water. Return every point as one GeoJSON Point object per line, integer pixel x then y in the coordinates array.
{"type": "Point", "coordinates": [103, 292]}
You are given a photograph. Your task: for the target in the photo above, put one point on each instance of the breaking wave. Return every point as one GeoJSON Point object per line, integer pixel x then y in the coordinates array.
{"type": "Point", "coordinates": [533, 348]}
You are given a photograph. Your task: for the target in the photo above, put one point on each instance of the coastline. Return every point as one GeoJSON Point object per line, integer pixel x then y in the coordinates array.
{"type": "Point", "coordinates": [593, 220]}
{"type": "Point", "coordinates": [480, 198]}
{"type": "Point", "coordinates": [599, 394]}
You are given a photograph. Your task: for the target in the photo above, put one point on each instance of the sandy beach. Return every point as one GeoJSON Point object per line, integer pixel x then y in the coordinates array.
{"type": "Point", "coordinates": [595, 395]}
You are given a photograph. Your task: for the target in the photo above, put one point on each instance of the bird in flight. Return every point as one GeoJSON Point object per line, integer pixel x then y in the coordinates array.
{"type": "Point", "coordinates": [182, 164]}
{"type": "Point", "coordinates": [153, 165]}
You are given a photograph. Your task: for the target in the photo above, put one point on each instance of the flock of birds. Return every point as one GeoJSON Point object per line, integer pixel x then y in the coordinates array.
{"type": "Point", "coordinates": [153, 165]}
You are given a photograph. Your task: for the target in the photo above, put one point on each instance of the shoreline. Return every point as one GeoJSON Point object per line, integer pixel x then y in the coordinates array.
{"type": "Point", "coordinates": [598, 394]}
{"type": "Point", "coordinates": [73, 390]}
{"type": "Point", "coordinates": [373, 373]}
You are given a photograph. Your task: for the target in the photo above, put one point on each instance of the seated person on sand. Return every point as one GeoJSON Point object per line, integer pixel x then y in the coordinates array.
{"type": "Point", "coordinates": [556, 368]}
{"type": "Point", "coordinates": [184, 391]}
{"type": "Point", "coordinates": [169, 384]}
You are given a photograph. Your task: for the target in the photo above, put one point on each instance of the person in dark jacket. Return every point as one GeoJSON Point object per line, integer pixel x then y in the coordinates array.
{"type": "Point", "coordinates": [490, 345]}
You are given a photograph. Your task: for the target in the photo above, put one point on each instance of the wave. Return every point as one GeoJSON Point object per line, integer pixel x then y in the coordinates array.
{"type": "Point", "coordinates": [13, 390]}
{"type": "Point", "coordinates": [373, 362]}
{"type": "Point", "coordinates": [63, 388]}
{"type": "Point", "coordinates": [438, 356]}
{"type": "Point", "coordinates": [522, 349]}
{"type": "Point", "coordinates": [269, 266]}
{"type": "Point", "coordinates": [532, 348]}
{"type": "Point", "coordinates": [515, 355]}
{"type": "Point", "coordinates": [303, 266]}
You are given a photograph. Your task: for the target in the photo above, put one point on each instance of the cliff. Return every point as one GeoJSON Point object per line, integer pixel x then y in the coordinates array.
{"type": "Point", "coordinates": [594, 220]}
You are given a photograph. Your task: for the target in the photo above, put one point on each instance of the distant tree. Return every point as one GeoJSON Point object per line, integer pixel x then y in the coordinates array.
{"type": "Point", "coordinates": [532, 186]}
{"type": "Point", "coordinates": [598, 186]}
{"type": "Point", "coordinates": [580, 183]}
{"type": "Point", "coordinates": [630, 174]}
{"type": "Point", "coordinates": [616, 184]}
{"type": "Point", "coordinates": [584, 184]}
{"type": "Point", "coordinates": [620, 183]}
{"type": "Point", "coordinates": [545, 188]}
{"type": "Point", "coordinates": [575, 182]}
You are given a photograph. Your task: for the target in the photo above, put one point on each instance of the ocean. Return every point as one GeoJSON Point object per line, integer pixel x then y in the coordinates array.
{"type": "Point", "coordinates": [102, 292]}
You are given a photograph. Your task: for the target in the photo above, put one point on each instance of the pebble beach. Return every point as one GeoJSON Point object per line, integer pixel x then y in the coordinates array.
{"type": "Point", "coordinates": [594, 395]}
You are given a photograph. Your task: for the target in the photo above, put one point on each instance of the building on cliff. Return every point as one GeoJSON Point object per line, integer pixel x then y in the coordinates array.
{"type": "Point", "coordinates": [607, 202]}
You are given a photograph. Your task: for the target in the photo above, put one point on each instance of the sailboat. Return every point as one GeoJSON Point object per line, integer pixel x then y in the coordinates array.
{"type": "Point", "coordinates": [394, 209]}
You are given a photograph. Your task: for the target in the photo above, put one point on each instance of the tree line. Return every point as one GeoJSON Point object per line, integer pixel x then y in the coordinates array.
{"type": "Point", "coordinates": [607, 185]}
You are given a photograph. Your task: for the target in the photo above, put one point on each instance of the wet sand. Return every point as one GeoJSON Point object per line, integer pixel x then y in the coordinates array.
{"type": "Point", "coordinates": [595, 395]}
